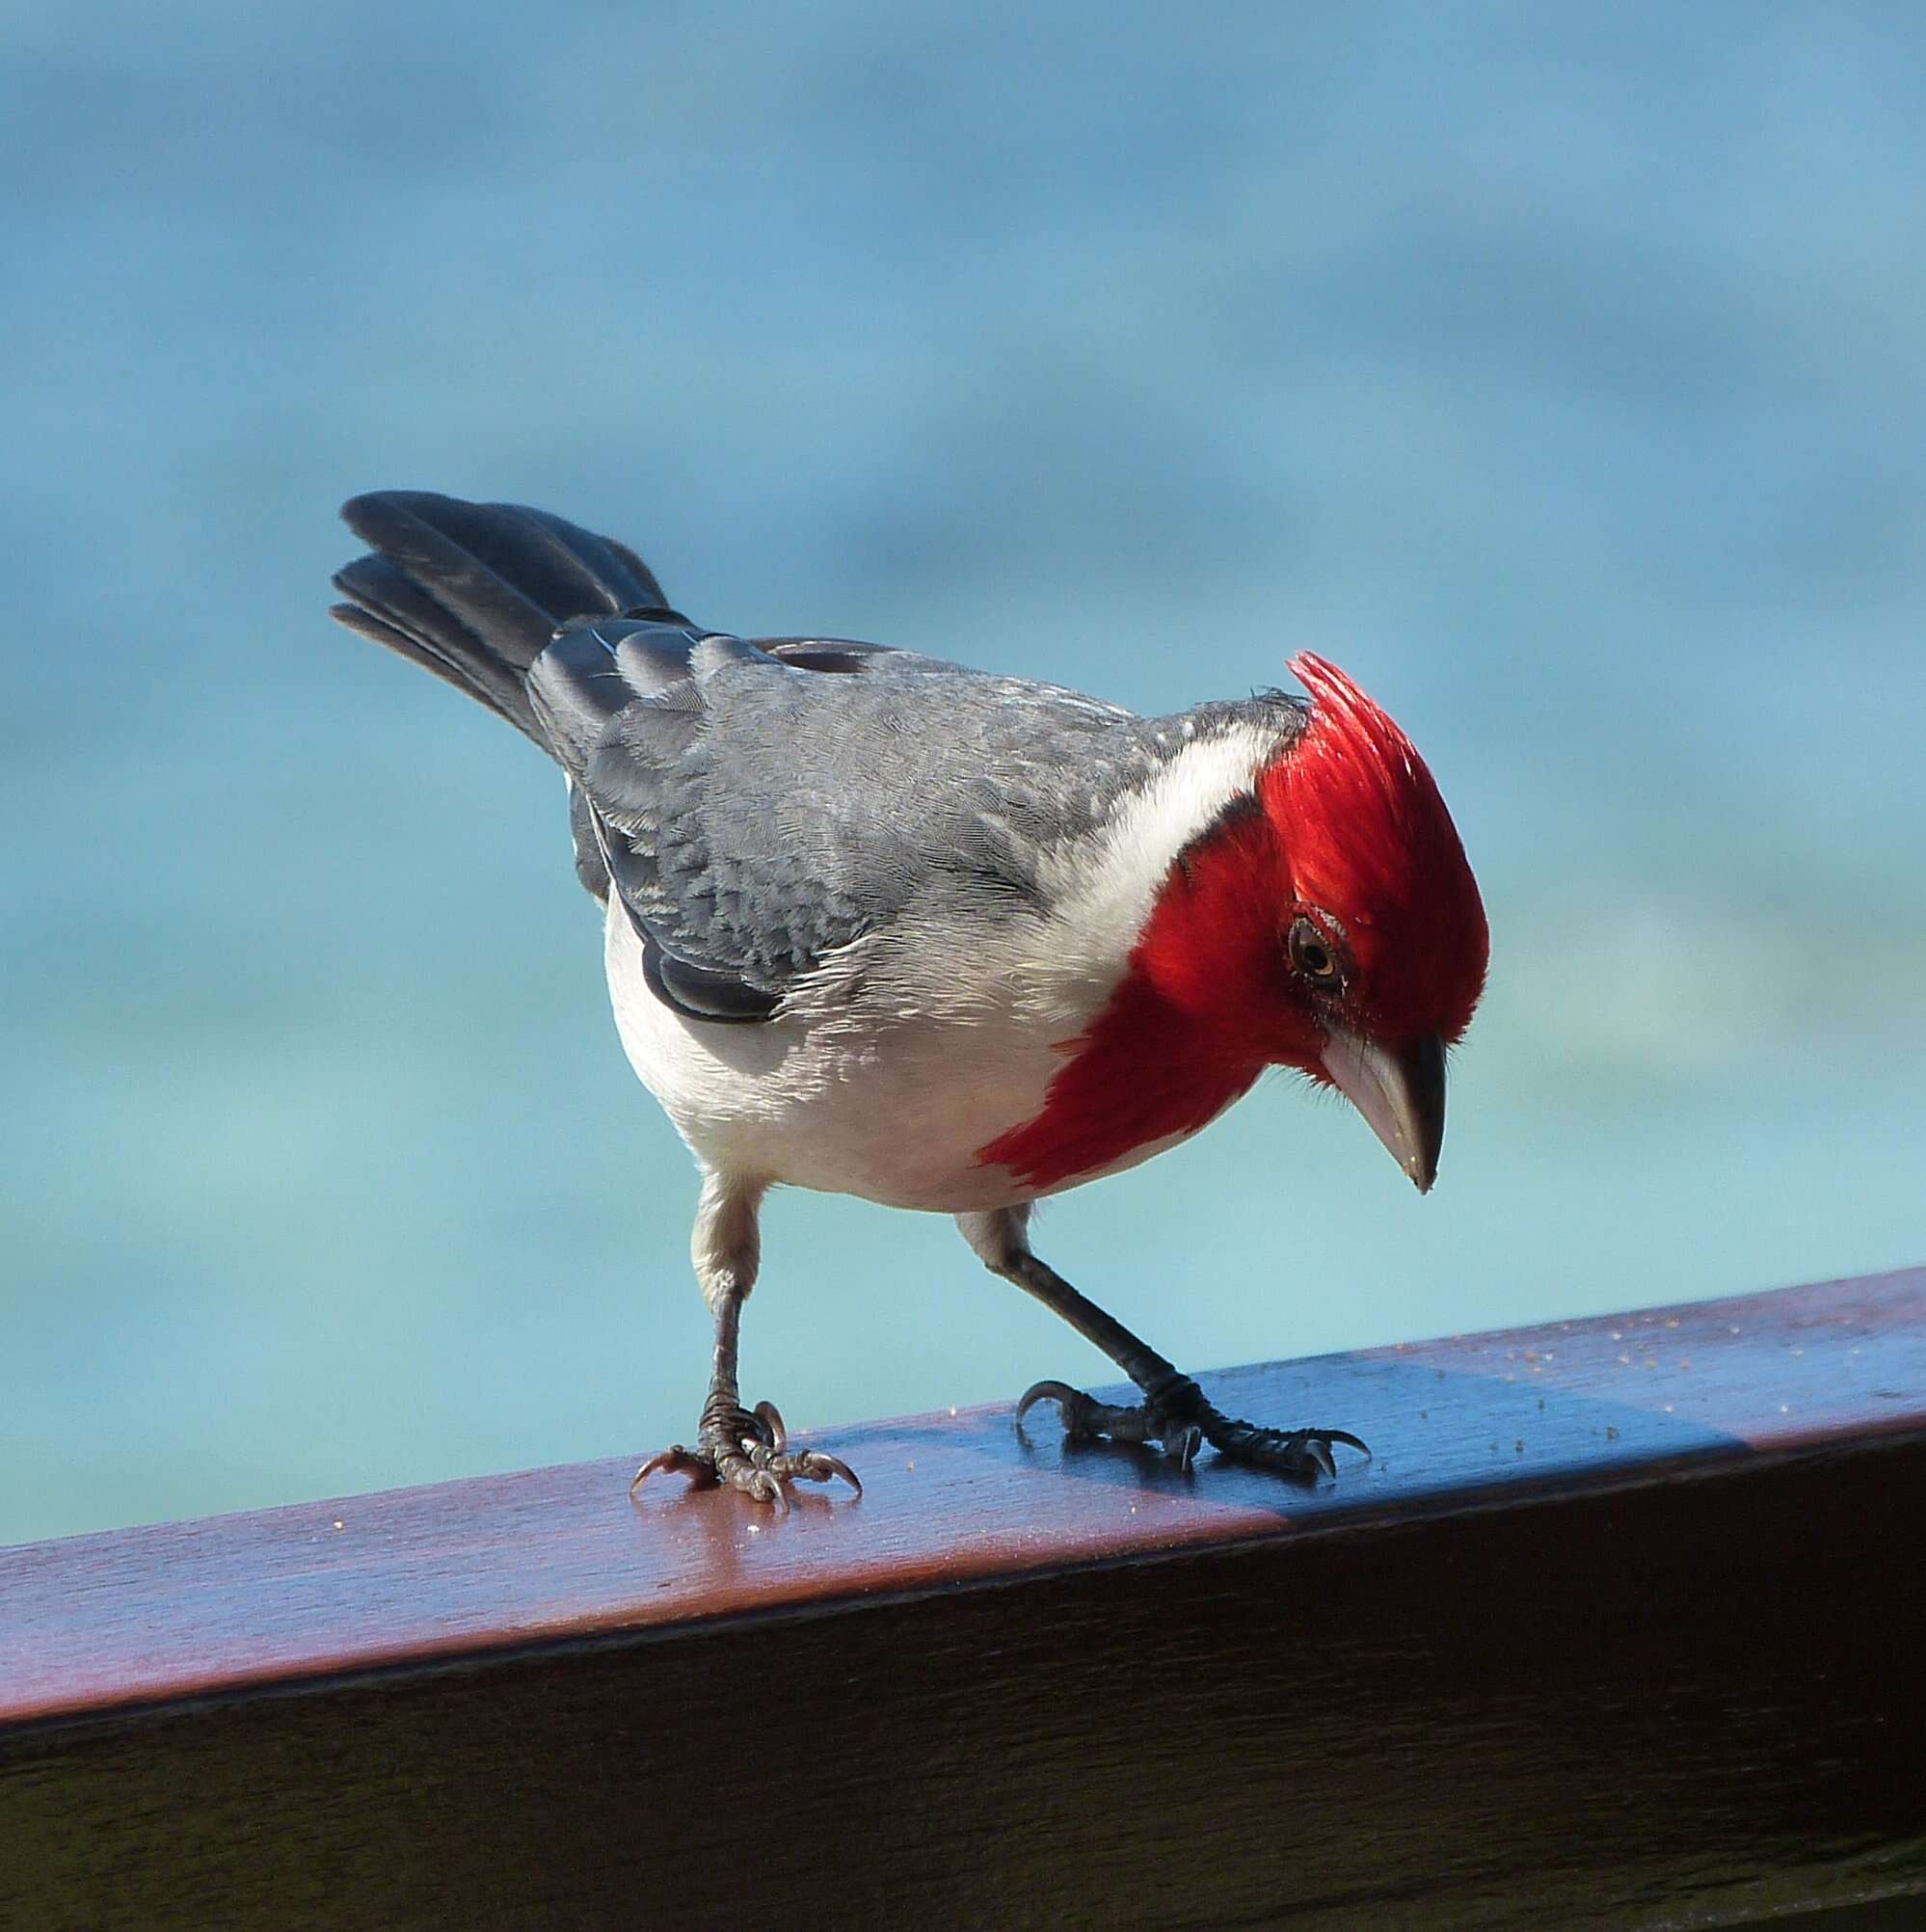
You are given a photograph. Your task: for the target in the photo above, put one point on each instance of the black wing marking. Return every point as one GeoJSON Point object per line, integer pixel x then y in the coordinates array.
{"type": "Point", "coordinates": [695, 991]}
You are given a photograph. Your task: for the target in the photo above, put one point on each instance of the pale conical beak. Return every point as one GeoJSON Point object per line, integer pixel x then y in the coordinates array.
{"type": "Point", "coordinates": [1400, 1094]}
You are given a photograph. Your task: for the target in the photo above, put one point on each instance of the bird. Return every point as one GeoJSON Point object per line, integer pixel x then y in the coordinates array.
{"type": "Point", "coordinates": [877, 923]}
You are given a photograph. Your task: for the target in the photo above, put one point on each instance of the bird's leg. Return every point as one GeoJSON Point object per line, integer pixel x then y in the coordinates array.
{"type": "Point", "coordinates": [1174, 1411]}
{"type": "Point", "coordinates": [747, 1449]}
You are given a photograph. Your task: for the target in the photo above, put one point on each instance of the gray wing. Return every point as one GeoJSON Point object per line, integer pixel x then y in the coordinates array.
{"type": "Point", "coordinates": [756, 805]}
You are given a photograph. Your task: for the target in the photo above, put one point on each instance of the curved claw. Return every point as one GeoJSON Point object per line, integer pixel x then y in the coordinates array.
{"type": "Point", "coordinates": [820, 1466]}
{"type": "Point", "coordinates": [1182, 1445]}
{"type": "Point", "coordinates": [774, 1432]}
{"type": "Point", "coordinates": [1293, 1450]}
{"type": "Point", "coordinates": [672, 1458]}
{"type": "Point", "coordinates": [1073, 1403]}
{"type": "Point", "coordinates": [763, 1486]}
{"type": "Point", "coordinates": [1317, 1444]}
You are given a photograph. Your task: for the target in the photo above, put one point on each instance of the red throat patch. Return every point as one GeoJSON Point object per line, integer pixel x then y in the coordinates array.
{"type": "Point", "coordinates": [1183, 1034]}
{"type": "Point", "coordinates": [1142, 1074]}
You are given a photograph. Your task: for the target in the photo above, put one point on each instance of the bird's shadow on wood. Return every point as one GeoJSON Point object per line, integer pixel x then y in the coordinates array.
{"type": "Point", "coordinates": [1435, 1432]}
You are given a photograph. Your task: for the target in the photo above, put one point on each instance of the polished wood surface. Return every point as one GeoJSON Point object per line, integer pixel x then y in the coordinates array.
{"type": "Point", "coordinates": [1619, 1622]}
{"type": "Point", "coordinates": [185, 1609]}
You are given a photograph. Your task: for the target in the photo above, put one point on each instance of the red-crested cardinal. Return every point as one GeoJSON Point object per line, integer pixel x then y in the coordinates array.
{"type": "Point", "coordinates": [884, 926]}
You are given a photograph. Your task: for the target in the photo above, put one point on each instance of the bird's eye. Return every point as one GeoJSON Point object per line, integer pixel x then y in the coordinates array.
{"type": "Point", "coordinates": [1314, 955]}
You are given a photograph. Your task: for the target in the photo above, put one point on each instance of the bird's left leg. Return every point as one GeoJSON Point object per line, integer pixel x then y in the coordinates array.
{"type": "Point", "coordinates": [748, 1449]}
{"type": "Point", "coordinates": [1174, 1411]}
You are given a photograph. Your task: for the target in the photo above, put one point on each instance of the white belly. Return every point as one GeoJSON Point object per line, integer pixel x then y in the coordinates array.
{"type": "Point", "coordinates": [894, 1114]}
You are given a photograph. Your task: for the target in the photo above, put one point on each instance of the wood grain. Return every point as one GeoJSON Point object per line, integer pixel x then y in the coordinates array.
{"type": "Point", "coordinates": [1619, 1628]}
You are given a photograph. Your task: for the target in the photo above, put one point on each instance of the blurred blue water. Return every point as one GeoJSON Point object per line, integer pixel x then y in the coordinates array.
{"type": "Point", "coordinates": [1560, 373]}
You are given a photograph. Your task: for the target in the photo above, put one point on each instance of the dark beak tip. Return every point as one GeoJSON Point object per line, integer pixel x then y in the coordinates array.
{"type": "Point", "coordinates": [1425, 1072]}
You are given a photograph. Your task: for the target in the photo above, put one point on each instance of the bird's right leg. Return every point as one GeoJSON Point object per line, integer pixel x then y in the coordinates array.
{"type": "Point", "coordinates": [747, 1449]}
{"type": "Point", "coordinates": [1174, 1411]}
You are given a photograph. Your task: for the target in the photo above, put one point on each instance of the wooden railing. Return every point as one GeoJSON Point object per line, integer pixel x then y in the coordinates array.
{"type": "Point", "coordinates": [1623, 1626]}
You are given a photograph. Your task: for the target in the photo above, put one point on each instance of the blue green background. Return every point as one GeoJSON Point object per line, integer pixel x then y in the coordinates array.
{"type": "Point", "coordinates": [1559, 371]}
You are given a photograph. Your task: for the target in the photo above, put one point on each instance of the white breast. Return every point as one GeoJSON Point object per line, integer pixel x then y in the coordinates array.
{"type": "Point", "coordinates": [893, 1114]}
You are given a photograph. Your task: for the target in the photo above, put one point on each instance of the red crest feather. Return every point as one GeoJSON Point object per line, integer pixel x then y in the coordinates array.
{"type": "Point", "coordinates": [1369, 841]}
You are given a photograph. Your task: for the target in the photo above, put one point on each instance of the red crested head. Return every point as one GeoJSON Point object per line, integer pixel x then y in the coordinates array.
{"type": "Point", "coordinates": [1383, 898]}
{"type": "Point", "coordinates": [1330, 921]}
{"type": "Point", "coordinates": [1325, 919]}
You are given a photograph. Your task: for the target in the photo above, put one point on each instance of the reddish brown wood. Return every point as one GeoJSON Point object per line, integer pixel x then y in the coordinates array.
{"type": "Point", "coordinates": [1622, 1607]}
{"type": "Point", "coordinates": [189, 1609]}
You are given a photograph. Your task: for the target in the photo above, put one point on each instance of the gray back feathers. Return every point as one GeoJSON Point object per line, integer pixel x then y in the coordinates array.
{"type": "Point", "coordinates": [754, 805]}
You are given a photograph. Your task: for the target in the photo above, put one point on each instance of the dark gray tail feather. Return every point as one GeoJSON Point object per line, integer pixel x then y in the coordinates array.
{"type": "Point", "coordinates": [474, 592]}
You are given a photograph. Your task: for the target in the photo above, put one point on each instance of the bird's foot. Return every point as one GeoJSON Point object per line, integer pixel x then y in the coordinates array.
{"type": "Point", "coordinates": [749, 1450]}
{"type": "Point", "coordinates": [1178, 1418]}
